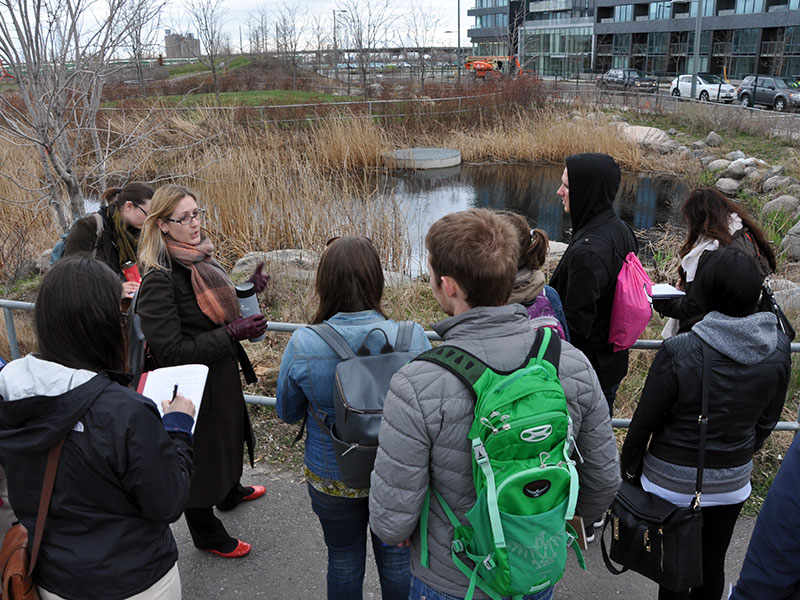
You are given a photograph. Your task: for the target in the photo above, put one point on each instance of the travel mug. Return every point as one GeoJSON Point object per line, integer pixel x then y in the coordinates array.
{"type": "Point", "coordinates": [248, 303]}
{"type": "Point", "coordinates": [131, 272]}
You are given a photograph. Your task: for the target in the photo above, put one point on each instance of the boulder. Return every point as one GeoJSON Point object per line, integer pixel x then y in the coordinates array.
{"type": "Point", "coordinates": [735, 170]}
{"type": "Point", "coordinates": [776, 171]}
{"type": "Point", "coordinates": [698, 145]}
{"type": "Point", "coordinates": [794, 189]}
{"type": "Point", "coordinates": [556, 250]}
{"type": "Point", "coordinates": [672, 131]}
{"type": "Point", "coordinates": [276, 260]}
{"type": "Point", "coordinates": [616, 119]}
{"type": "Point", "coordinates": [718, 164]}
{"type": "Point", "coordinates": [737, 154]}
{"type": "Point", "coordinates": [375, 90]}
{"type": "Point", "coordinates": [773, 183]}
{"type": "Point", "coordinates": [786, 203]}
{"type": "Point", "coordinates": [755, 177]}
{"type": "Point", "coordinates": [728, 186]}
{"type": "Point", "coordinates": [778, 284]}
{"type": "Point", "coordinates": [43, 261]}
{"type": "Point", "coordinates": [644, 136]}
{"type": "Point", "coordinates": [713, 139]}
{"type": "Point", "coordinates": [670, 146]}
{"type": "Point", "coordinates": [789, 299]}
{"type": "Point", "coordinates": [707, 160]}
{"type": "Point", "coordinates": [791, 243]}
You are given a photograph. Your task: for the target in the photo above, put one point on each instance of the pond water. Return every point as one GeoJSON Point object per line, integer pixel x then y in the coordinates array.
{"type": "Point", "coordinates": [644, 201]}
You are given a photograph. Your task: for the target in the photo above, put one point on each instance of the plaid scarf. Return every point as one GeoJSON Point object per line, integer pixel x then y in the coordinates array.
{"type": "Point", "coordinates": [212, 287]}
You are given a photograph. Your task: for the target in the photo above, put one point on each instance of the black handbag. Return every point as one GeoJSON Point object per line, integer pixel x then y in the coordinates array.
{"type": "Point", "coordinates": [767, 303]}
{"type": "Point", "coordinates": [654, 537]}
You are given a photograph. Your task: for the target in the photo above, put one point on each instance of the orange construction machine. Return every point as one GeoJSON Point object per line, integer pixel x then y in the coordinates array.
{"type": "Point", "coordinates": [487, 67]}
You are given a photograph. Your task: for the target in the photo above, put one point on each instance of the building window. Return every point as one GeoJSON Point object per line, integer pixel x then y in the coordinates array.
{"type": "Point", "coordinates": [660, 10]}
{"type": "Point", "coordinates": [623, 12]}
{"type": "Point", "coordinates": [748, 7]}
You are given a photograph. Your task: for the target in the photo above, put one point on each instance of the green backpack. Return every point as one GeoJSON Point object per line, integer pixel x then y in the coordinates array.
{"type": "Point", "coordinates": [525, 483]}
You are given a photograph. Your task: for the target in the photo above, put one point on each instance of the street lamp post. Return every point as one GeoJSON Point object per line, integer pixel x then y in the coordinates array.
{"type": "Point", "coordinates": [335, 47]}
{"type": "Point", "coordinates": [458, 38]}
{"type": "Point", "coordinates": [696, 53]}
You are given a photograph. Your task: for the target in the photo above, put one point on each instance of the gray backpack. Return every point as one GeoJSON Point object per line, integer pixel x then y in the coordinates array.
{"type": "Point", "coordinates": [362, 381]}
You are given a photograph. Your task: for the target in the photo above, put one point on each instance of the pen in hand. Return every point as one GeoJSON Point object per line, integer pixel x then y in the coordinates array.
{"type": "Point", "coordinates": [174, 393]}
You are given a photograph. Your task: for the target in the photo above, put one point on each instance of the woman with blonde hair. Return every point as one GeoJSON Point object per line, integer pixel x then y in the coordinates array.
{"type": "Point", "coordinates": [190, 314]}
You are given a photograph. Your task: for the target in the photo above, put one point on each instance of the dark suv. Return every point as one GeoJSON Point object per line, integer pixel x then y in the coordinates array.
{"type": "Point", "coordinates": [628, 80]}
{"type": "Point", "coordinates": [780, 93]}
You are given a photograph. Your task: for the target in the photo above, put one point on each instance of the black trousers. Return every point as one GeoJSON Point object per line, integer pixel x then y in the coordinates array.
{"type": "Point", "coordinates": [718, 524]}
{"type": "Point", "coordinates": [208, 532]}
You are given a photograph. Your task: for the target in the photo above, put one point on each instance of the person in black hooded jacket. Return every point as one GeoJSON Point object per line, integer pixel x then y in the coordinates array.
{"type": "Point", "coordinates": [123, 474]}
{"type": "Point", "coordinates": [586, 276]}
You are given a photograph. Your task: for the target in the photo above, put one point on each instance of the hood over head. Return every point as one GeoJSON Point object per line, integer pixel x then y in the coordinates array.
{"type": "Point", "coordinates": [593, 184]}
{"type": "Point", "coordinates": [40, 401]}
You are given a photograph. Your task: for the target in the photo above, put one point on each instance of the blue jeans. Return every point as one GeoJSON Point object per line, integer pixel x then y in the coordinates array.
{"type": "Point", "coordinates": [422, 591]}
{"type": "Point", "coordinates": [344, 524]}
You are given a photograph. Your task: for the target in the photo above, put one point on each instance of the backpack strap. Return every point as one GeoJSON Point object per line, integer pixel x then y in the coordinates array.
{"type": "Point", "coordinates": [99, 223]}
{"type": "Point", "coordinates": [467, 367]}
{"type": "Point", "coordinates": [334, 339]}
{"type": "Point", "coordinates": [405, 330]}
{"type": "Point", "coordinates": [44, 500]}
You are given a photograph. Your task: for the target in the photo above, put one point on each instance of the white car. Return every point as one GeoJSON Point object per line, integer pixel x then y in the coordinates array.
{"type": "Point", "coordinates": [709, 87]}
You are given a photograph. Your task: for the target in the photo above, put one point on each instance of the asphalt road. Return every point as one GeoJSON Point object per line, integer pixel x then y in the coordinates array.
{"type": "Point", "coordinates": [288, 557]}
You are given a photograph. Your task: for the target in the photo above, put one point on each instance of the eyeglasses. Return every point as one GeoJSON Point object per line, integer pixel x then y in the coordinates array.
{"type": "Point", "coordinates": [141, 209]}
{"type": "Point", "coordinates": [185, 220]}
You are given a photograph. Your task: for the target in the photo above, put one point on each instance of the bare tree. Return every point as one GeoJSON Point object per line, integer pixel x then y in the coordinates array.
{"type": "Point", "coordinates": [142, 20]}
{"type": "Point", "coordinates": [59, 52]}
{"type": "Point", "coordinates": [209, 17]}
{"type": "Point", "coordinates": [259, 30]}
{"type": "Point", "coordinates": [318, 39]}
{"type": "Point", "coordinates": [367, 24]}
{"type": "Point", "coordinates": [289, 29]}
{"type": "Point", "coordinates": [421, 24]}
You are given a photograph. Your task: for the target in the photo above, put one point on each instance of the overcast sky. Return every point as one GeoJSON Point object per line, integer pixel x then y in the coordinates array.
{"type": "Point", "coordinates": [240, 12]}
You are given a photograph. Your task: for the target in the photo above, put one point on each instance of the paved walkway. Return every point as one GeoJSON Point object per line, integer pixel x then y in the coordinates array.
{"type": "Point", "coordinates": [288, 557]}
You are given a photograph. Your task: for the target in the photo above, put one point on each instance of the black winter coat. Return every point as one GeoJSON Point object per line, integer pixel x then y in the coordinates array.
{"type": "Point", "coordinates": [121, 481]}
{"type": "Point", "coordinates": [83, 238]}
{"type": "Point", "coordinates": [745, 403]}
{"type": "Point", "coordinates": [586, 276]}
{"type": "Point", "coordinates": [178, 333]}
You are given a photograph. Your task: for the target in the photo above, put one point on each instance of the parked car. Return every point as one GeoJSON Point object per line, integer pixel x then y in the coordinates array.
{"type": "Point", "coordinates": [779, 93]}
{"type": "Point", "coordinates": [628, 80]}
{"type": "Point", "coordinates": [709, 87]}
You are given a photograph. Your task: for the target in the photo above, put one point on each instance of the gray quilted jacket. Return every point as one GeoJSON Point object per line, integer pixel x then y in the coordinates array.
{"type": "Point", "coordinates": [423, 438]}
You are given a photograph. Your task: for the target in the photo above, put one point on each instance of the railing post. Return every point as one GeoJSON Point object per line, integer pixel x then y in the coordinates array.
{"type": "Point", "coordinates": [11, 330]}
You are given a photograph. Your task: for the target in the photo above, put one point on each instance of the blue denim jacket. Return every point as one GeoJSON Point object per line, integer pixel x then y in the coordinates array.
{"type": "Point", "coordinates": [307, 372]}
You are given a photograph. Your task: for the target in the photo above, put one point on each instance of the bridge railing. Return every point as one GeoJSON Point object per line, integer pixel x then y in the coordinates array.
{"type": "Point", "coordinates": [9, 306]}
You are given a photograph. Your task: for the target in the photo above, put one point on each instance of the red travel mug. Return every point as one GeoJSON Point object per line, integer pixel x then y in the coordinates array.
{"type": "Point", "coordinates": [131, 272]}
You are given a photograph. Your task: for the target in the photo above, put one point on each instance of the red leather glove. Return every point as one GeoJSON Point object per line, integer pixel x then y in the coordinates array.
{"type": "Point", "coordinates": [259, 279]}
{"type": "Point", "coordinates": [245, 328]}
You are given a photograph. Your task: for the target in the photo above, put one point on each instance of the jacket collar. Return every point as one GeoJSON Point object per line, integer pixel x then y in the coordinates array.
{"type": "Point", "coordinates": [485, 322]}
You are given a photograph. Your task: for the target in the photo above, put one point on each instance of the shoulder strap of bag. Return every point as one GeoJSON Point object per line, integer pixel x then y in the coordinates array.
{"type": "Point", "coordinates": [703, 422]}
{"type": "Point", "coordinates": [405, 330]}
{"type": "Point", "coordinates": [334, 339]}
{"type": "Point", "coordinates": [44, 500]}
{"type": "Point", "coordinates": [99, 223]}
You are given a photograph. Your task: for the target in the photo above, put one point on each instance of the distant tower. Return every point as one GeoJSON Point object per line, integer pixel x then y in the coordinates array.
{"type": "Point", "coordinates": [179, 46]}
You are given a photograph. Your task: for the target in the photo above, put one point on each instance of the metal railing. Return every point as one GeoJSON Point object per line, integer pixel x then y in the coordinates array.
{"type": "Point", "coordinates": [9, 306]}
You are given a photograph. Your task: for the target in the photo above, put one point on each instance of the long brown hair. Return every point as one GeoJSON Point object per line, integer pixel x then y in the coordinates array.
{"type": "Point", "coordinates": [349, 278]}
{"type": "Point", "coordinates": [77, 316]}
{"type": "Point", "coordinates": [706, 211]}
{"type": "Point", "coordinates": [533, 243]}
{"type": "Point", "coordinates": [152, 252]}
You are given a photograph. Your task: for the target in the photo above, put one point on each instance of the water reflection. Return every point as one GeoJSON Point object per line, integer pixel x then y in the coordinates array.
{"type": "Point", "coordinates": [425, 196]}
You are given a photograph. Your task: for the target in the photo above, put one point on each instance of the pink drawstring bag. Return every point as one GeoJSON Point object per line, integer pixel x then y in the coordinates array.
{"type": "Point", "coordinates": [632, 308]}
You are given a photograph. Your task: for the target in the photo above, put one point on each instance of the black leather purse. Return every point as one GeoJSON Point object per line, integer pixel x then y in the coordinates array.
{"type": "Point", "coordinates": [654, 537]}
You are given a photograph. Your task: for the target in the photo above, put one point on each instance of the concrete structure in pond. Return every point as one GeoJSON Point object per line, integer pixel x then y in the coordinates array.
{"type": "Point", "coordinates": [424, 158]}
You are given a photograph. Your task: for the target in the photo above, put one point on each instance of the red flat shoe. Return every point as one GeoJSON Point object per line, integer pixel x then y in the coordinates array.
{"type": "Point", "coordinates": [258, 491]}
{"type": "Point", "coordinates": [242, 549]}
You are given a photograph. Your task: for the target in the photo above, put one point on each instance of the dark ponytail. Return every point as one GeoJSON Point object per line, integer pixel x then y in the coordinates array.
{"type": "Point", "coordinates": [135, 192]}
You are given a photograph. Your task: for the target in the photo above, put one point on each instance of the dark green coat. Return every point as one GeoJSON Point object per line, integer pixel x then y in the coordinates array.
{"type": "Point", "coordinates": [179, 333]}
